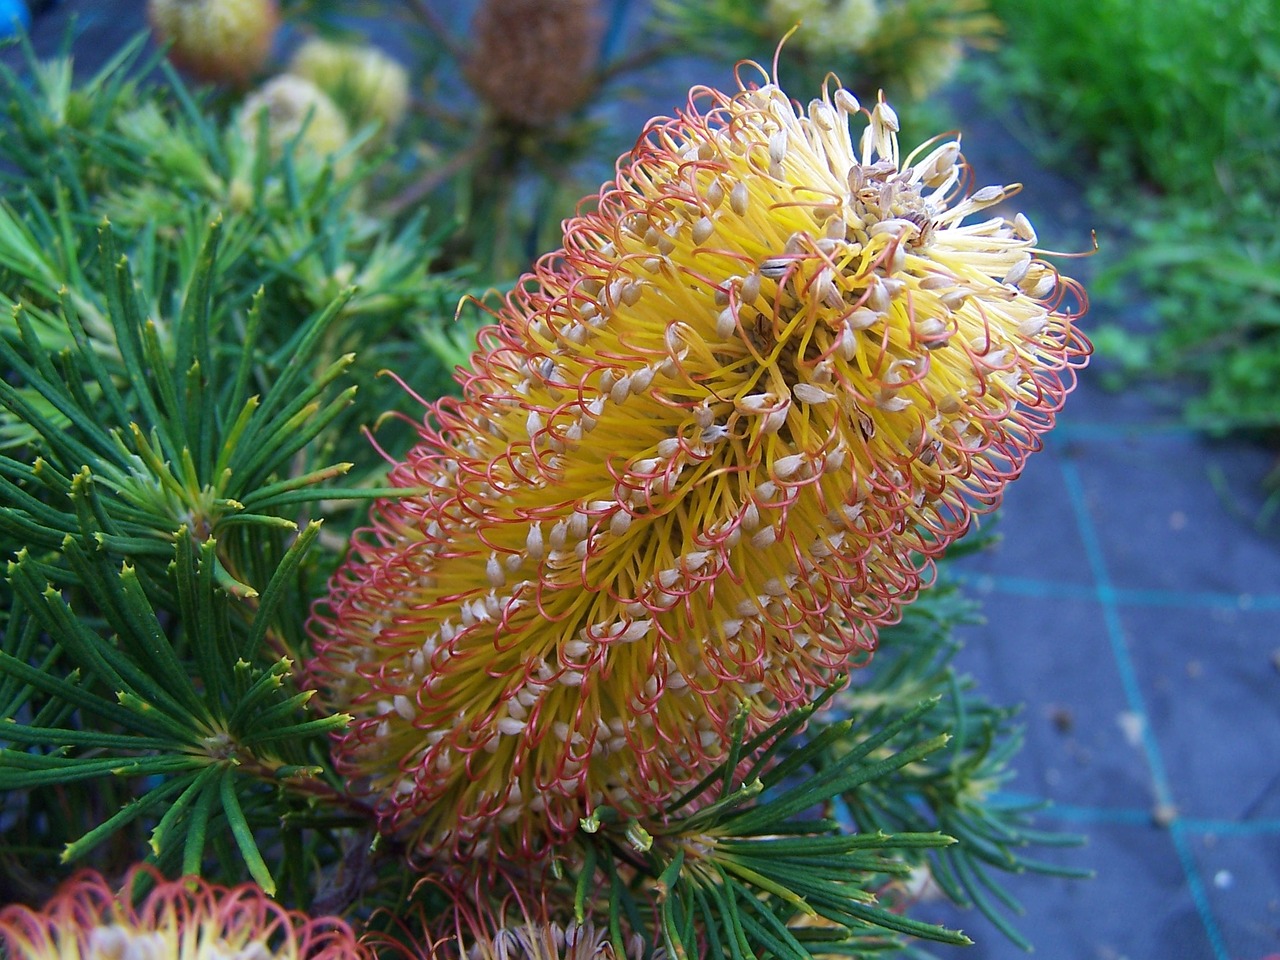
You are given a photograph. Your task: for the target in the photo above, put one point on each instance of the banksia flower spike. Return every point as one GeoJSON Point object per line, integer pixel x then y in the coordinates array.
{"type": "Point", "coordinates": [224, 41]}
{"type": "Point", "coordinates": [543, 941]}
{"type": "Point", "coordinates": [708, 449]}
{"type": "Point", "coordinates": [185, 919]}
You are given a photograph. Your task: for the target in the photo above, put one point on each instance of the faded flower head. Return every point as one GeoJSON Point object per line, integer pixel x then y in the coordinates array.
{"type": "Point", "coordinates": [532, 59]}
{"type": "Point", "coordinates": [225, 41]}
{"type": "Point", "coordinates": [482, 926]}
{"type": "Point", "coordinates": [919, 44]}
{"type": "Point", "coordinates": [548, 941]}
{"type": "Point", "coordinates": [929, 62]}
{"type": "Point", "coordinates": [708, 449]}
{"type": "Point", "coordinates": [185, 919]}
{"type": "Point", "coordinates": [824, 27]}
{"type": "Point", "coordinates": [296, 110]}
{"type": "Point", "coordinates": [365, 82]}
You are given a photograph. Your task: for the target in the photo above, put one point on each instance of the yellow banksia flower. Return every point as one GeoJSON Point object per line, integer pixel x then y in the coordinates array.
{"type": "Point", "coordinates": [708, 448]}
{"type": "Point", "coordinates": [223, 41]}
{"type": "Point", "coordinates": [365, 82]}
{"type": "Point", "coordinates": [185, 919]}
{"type": "Point", "coordinates": [532, 60]}
{"type": "Point", "coordinates": [477, 933]}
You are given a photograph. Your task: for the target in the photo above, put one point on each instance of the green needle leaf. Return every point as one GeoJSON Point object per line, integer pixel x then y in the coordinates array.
{"type": "Point", "coordinates": [130, 812]}
{"type": "Point", "coordinates": [243, 834]}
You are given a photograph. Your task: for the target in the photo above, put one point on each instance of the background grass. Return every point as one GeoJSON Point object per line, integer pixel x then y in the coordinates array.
{"type": "Point", "coordinates": [1172, 112]}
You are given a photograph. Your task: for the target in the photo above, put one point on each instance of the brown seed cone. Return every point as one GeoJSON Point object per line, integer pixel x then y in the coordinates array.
{"type": "Point", "coordinates": [533, 59]}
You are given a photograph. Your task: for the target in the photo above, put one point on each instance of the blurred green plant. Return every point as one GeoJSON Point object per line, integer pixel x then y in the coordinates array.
{"type": "Point", "coordinates": [1177, 109]}
{"type": "Point", "coordinates": [1182, 98]}
{"type": "Point", "coordinates": [154, 161]}
{"type": "Point", "coordinates": [905, 48]}
{"type": "Point", "coordinates": [1214, 287]}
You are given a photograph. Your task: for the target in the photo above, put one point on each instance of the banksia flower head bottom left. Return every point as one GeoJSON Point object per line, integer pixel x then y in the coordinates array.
{"type": "Point", "coordinates": [707, 450]}
{"type": "Point", "coordinates": [185, 919]}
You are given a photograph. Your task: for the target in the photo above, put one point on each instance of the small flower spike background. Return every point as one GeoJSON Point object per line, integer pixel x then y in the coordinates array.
{"type": "Point", "coordinates": [641, 650]}
{"type": "Point", "coordinates": [707, 450]}
{"type": "Point", "coordinates": [177, 920]}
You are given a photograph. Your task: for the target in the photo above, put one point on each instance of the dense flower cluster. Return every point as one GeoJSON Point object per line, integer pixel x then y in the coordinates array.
{"type": "Point", "coordinates": [185, 919]}
{"type": "Point", "coordinates": [708, 448]}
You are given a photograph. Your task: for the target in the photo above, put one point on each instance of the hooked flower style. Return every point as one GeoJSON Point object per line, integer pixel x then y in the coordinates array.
{"type": "Point", "coordinates": [708, 448]}
{"type": "Point", "coordinates": [186, 919]}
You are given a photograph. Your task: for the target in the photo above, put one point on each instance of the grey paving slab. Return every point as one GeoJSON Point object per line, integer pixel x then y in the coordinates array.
{"type": "Point", "coordinates": [1212, 695]}
{"type": "Point", "coordinates": [1039, 501]}
{"type": "Point", "coordinates": [1176, 513]}
{"type": "Point", "coordinates": [94, 29]}
{"type": "Point", "coordinates": [1242, 872]}
{"type": "Point", "coordinates": [1051, 655]}
{"type": "Point", "coordinates": [1136, 908]}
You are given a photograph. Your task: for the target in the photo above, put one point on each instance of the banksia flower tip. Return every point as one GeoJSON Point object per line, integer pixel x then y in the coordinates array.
{"type": "Point", "coordinates": [708, 448]}
{"type": "Point", "coordinates": [186, 919]}
{"type": "Point", "coordinates": [519, 925]}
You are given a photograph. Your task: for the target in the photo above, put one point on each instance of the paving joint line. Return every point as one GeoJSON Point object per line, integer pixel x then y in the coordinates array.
{"type": "Point", "coordinates": [1108, 597]}
{"type": "Point", "coordinates": [1243, 602]}
{"type": "Point", "coordinates": [1136, 816]}
{"type": "Point", "coordinates": [1123, 431]}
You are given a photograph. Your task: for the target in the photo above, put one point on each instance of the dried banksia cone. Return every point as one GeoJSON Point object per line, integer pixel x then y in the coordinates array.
{"type": "Point", "coordinates": [363, 81]}
{"type": "Point", "coordinates": [533, 60]}
{"type": "Point", "coordinates": [294, 108]}
{"type": "Point", "coordinates": [709, 447]}
{"type": "Point", "coordinates": [223, 41]}
{"type": "Point", "coordinates": [185, 919]}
